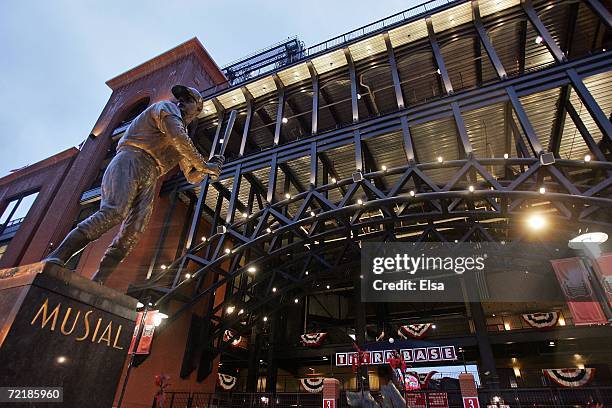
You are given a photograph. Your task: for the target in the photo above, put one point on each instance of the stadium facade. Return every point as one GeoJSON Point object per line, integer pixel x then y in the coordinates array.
{"type": "Point", "coordinates": [453, 121]}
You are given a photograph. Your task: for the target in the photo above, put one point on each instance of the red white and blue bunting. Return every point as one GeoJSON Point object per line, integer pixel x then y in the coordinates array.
{"type": "Point", "coordinates": [416, 331]}
{"type": "Point", "coordinates": [230, 336]}
{"type": "Point", "coordinates": [313, 384]}
{"type": "Point", "coordinates": [227, 382]}
{"type": "Point", "coordinates": [541, 320]}
{"type": "Point", "coordinates": [570, 377]}
{"type": "Point", "coordinates": [313, 339]}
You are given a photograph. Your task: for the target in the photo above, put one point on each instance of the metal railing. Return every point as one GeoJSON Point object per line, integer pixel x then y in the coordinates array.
{"type": "Point", "coordinates": [517, 397]}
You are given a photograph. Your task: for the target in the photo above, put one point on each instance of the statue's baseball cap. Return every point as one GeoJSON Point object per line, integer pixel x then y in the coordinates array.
{"type": "Point", "coordinates": [181, 91]}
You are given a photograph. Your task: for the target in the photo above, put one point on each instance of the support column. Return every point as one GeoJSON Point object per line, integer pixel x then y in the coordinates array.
{"type": "Point", "coordinates": [448, 87]}
{"type": "Point", "coordinates": [281, 109]}
{"type": "Point", "coordinates": [353, 77]}
{"type": "Point", "coordinates": [360, 324]}
{"type": "Point", "coordinates": [487, 359]}
{"type": "Point", "coordinates": [407, 137]}
{"type": "Point", "coordinates": [247, 122]}
{"type": "Point", "coordinates": [486, 42]}
{"type": "Point", "coordinates": [315, 98]}
{"type": "Point", "coordinates": [399, 96]}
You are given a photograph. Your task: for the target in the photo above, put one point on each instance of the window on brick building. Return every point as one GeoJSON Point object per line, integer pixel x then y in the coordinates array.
{"type": "Point", "coordinates": [17, 209]}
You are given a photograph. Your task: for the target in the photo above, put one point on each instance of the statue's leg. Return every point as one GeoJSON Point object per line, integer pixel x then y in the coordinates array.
{"type": "Point", "coordinates": [131, 230]}
{"type": "Point", "coordinates": [115, 201]}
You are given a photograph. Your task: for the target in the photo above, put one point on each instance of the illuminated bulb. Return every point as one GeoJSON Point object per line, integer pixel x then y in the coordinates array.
{"type": "Point", "coordinates": [440, 159]}
{"type": "Point", "coordinates": [241, 311]}
{"type": "Point", "coordinates": [587, 158]}
{"type": "Point", "coordinates": [221, 141]}
{"type": "Point", "coordinates": [542, 190]}
{"type": "Point", "coordinates": [274, 289]}
{"type": "Point", "coordinates": [163, 266]}
{"type": "Point", "coordinates": [384, 168]}
{"type": "Point", "coordinates": [517, 371]}
{"type": "Point", "coordinates": [245, 215]}
{"type": "Point", "coordinates": [507, 326]}
{"type": "Point", "coordinates": [268, 230]}
{"type": "Point", "coordinates": [312, 214]}
{"type": "Point", "coordinates": [139, 305]}
{"type": "Point", "coordinates": [536, 221]}
{"type": "Point", "coordinates": [227, 250]}
{"type": "Point", "coordinates": [296, 300]}
{"type": "Point", "coordinates": [438, 71]}
{"type": "Point", "coordinates": [265, 319]}
{"type": "Point", "coordinates": [580, 366]}
{"type": "Point", "coordinates": [203, 239]}
{"type": "Point", "coordinates": [505, 155]}
{"type": "Point", "coordinates": [471, 188]}
{"type": "Point", "coordinates": [358, 96]}
{"type": "Point", "coordinates": [327, 286]}
{"type": "Point", "coordinates": [285, 120]}
{"type": "Point", "coordinates": [561, 321]}
{"type": "Point", "coordinates": [433, 326]}
{"type": "Point", "coordinates": [61, 359]}
{"type": "Point", "coordinates": [187, 275]}
{"type": "Point", "coordinates": [360, 201]}
{"type": "Point", "coordinates": [306, 273]}
{"type": "Point", "coordinates": [333, 180]}
{"type": "Point", "coordinates": [538, 40]}
{"type": "Point", "coordinates": [411, 193]}
{"type": "Point", "coordinates": [230, 309]}
{"type": "Point", "coordinates": [252, 269]}
{"type": "Point", "coordinates": [287, 196]}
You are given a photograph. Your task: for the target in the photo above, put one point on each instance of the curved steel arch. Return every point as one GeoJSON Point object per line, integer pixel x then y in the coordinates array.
{"type": "Point", "coordinates": [501, 200]}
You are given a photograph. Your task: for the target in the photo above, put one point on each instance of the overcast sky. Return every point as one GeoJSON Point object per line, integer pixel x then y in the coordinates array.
{"type": "Point", "coordinates": [57, 55]}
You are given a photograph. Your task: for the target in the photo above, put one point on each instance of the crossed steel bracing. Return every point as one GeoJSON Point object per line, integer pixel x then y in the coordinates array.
{"type": "Point", "coordinates": [291, 216]}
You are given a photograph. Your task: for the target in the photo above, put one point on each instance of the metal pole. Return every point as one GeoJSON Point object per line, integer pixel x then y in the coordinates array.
{"type": "Point", "coordinates": [133, 351]}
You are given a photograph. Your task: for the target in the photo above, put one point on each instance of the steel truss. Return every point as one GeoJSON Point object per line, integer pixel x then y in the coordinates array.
{"type": "Point", "coordinates": [315, 233]}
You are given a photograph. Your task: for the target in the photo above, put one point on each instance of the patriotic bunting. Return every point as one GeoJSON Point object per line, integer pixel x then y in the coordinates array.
{"type": "Point", "coordinates": [230, 336]}
{"type": "Point", "coordinates": [570, 377]}
{"type": "Point", "coordinates": [313, 385]}
{"type": "Point", "coordinates": [416, 331]}
{"type": "Point", "coordinates": [313, 339]}
{"type": "Point", "coordinates": [541, 320]}
{"type": "Point", "coordinates": [227, 382]}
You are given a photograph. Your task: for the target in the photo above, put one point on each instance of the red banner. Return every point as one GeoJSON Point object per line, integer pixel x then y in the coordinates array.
{"type": "Point", "coordinates": [574, 281]}
{"type": "Point", "coordinates": [603, 268]}
{"type": "Point", "coordinates": [144, 345]}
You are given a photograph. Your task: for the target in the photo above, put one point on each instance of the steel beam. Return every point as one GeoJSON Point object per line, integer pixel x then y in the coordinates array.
{"type": "Point", "coordinates": [314, 128]}
{"type": "Point", "coordinates": [354, 90]}
{"type": "Point", "coordinates": [584, 132]}
{"type": "Point", "coordinates": [463, 136]}
{"type": "Point", "coordinates": [399, 96]}
{"type": "Point", "coordinates": [247, 122]}
{"type": "Point", "coordinates": [523, 119]}
{"type": "Point", "coordinates": [602, 12]}
{"type": "Point", "coordinates": [281, 109]}
{"type": "Point", "coordinates": [407, 138]}
{"type": "Point", "coordinates": [448, 86]}
{"type": "Point", "coordinates": [486, 42]}
{"type": "Point", "coordinates": [600, 118]}
{"type": "Point", "coordinates": [548, 39]}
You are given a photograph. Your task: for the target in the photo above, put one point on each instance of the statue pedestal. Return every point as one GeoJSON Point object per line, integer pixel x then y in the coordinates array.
{"type": "Point", "coordinates": [58, 329]}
